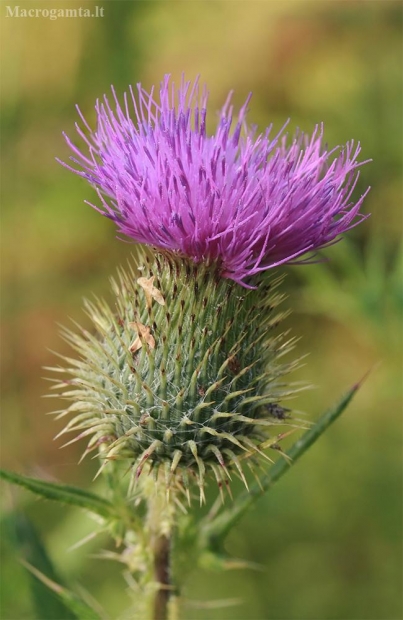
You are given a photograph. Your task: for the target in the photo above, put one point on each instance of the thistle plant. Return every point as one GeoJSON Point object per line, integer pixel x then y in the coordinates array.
{"type": "Point", "coordinates": [182, 384]}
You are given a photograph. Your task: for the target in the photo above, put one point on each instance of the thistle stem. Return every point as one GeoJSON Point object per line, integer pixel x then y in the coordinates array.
{"type": "Point", "coordinates": [162, 553]}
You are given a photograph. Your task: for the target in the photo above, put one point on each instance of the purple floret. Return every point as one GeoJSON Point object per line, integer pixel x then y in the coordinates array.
{"type": "Point", "coordinates": [244, 201]}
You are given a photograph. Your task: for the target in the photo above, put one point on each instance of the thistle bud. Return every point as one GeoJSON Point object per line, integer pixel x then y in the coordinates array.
{"type": "Point", "coordinates": [184, 377]}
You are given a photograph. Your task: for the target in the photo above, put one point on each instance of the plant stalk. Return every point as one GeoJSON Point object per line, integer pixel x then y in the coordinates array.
{"type": "Point", "coordinates": [162, 556]}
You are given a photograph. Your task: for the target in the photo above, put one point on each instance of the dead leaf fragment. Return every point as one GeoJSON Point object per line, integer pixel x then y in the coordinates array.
{"type": "Point", "coordinates": [143, 335]}
{"type": "Point", "coordinates": [151, 291]}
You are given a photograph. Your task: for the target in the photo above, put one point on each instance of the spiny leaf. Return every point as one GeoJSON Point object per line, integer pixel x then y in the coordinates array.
{"type": "Point", "coordinates": [72, 601]}
{"type": "Point", "coordinates": [63, 493]}
{"type": "Point", "coordinates": [214, 532]}
{"type": "Point", "coordinates": [24, 538]}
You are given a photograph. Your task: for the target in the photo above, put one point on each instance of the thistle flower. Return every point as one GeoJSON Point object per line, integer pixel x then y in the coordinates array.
{"type": "Point", "coordinates": [186, 376]}
{"type": "Point", "coordinates": [245, 202]}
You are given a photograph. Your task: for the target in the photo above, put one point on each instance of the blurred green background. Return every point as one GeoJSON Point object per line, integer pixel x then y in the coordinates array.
{"type": "Point", "coordinates": [328, 538]}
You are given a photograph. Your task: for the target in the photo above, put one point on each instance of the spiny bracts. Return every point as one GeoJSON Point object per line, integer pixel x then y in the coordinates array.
{"type": "Point", "coordinates": [184, 378]}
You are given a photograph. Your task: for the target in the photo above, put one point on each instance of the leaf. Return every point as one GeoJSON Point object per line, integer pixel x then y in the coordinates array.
{"type": "Point", "coordinates": [47, 605]}
{"type": "Point", "coordinates": [213, 533]}
{"type": "Point", "coordinates": [72, 601]}
{"type": "Point", "coordinates": [63, 493]}
{"type": "Point", "coordinates": [23, 538]}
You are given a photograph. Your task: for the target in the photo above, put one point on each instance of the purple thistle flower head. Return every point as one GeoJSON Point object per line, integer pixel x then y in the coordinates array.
{"type": "Point", "coordinates": [246, 202]}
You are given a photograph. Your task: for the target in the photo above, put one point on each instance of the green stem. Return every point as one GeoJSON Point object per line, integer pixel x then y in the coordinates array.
{"type": "Point", "coordinates": [160, 530]}
{"type": "Point", "coordinates": [213, 533]}
{"type": "Point", "coordinates": [162, 552]}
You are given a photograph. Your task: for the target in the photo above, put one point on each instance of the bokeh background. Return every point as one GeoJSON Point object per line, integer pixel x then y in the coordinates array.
{"type": "Point", "coordinates": [328, 538]}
